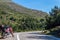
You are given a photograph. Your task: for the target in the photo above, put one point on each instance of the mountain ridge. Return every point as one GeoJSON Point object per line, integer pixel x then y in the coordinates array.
{"type": "Point", "coordinates": [25, 10]}
{"type": "Point", "coordinates": [19, 17]}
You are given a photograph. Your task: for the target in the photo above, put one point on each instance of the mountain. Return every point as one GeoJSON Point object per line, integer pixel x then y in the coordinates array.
{"type": "Point", "coordinates": [19, 17]}
{"type": "Point", "coordinates": [15, 7]}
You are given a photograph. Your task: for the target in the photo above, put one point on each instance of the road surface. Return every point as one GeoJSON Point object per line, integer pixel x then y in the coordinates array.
{"type": "Point", "coordinates": [35, 35]}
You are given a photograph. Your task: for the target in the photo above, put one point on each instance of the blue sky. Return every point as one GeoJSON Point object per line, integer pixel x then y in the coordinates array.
{"type": "Point", "coordinates": [44, 5]}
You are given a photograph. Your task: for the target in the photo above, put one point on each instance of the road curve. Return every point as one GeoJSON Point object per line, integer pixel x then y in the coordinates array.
{"type": "Point", "coordinates": [34, 35]}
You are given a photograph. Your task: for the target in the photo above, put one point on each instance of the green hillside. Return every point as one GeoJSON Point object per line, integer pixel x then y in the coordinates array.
{"type": "Point", "coordinates": [19, 17]}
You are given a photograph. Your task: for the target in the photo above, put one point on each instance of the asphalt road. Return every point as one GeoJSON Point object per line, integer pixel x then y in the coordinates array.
{"type": "Point", "coordinates": [35, 35]}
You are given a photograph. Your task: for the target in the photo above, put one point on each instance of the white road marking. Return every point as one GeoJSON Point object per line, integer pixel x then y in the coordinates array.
{"type": "Point", "coordinates": [18, 37]}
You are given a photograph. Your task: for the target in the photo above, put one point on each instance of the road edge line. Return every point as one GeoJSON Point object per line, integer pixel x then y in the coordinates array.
{"type": "Point", "coordinates": [18, 37]}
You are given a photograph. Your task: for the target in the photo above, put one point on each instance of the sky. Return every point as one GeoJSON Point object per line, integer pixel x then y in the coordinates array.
{"type": "Point", "coordinates": [44, 5]}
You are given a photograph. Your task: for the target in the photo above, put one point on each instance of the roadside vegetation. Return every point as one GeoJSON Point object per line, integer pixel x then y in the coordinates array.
{"type": "Point", "coordinates": [53, 22]}
{"type": "Point", "coordinates": [20, 21]}
{"type": "Point", "coordinates": [10, 15]}
{"type": "Point", "coordinates": [24, 22]}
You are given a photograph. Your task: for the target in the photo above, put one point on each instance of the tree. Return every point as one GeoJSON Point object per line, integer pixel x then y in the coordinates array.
{"type": "Point", "coordinates": [53, 19]}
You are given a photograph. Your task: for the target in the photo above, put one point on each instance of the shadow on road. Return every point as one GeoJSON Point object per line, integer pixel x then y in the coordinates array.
{"type": "Point", "coordinates": [36, 33]}
{"type": "Point", "coordinates": [1, 38]}
{"type": "Point", "coordinates": [41, 37]}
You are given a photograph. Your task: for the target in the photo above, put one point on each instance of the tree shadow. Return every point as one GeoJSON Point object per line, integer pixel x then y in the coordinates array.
{"type": "Point", "coordinates": [37, 33]}
{"type": "Point", "coordinates": [55, 33]}
{"type": "Point", "coordinates": [1, 38]}
{"type": "Point", "coordinates": [41, 37]}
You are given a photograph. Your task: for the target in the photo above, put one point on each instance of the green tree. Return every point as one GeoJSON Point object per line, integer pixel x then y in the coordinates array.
{"type": "Point", "coordinates": [53, 19]}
